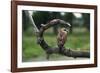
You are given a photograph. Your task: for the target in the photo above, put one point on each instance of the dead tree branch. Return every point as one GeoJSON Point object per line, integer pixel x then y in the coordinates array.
{"type": "Point", "coordinates": [50, 50]}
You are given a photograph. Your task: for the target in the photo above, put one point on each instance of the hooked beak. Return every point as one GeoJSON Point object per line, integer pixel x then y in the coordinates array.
{"type": "Point", "coordinates": [65, 23]}
{"type": "Point", "coordinates": [68, 24]}
{"type": "Point", "coordinates": [67, 30]}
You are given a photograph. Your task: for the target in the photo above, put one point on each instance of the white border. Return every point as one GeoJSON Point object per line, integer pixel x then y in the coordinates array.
{"type": "Point", "coordinates": [52, 63]}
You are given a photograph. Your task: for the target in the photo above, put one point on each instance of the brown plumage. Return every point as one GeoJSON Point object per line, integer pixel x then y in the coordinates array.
{"type": "Point", "coordinates": [61, 38]}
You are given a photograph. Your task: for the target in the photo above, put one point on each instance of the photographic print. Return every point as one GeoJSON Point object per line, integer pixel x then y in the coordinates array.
{"type": "Point", "coordinates": [52, 37]}
{"type": "Point", "coordinates": [76, 37]}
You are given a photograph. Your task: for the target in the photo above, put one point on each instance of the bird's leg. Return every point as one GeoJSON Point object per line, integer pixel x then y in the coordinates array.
{"type": "Point", "coordinates": [61, 47]}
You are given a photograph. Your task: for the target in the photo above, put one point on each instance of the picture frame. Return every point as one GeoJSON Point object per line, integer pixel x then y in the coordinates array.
{"type": "Point", "coordinates": [15, 30]}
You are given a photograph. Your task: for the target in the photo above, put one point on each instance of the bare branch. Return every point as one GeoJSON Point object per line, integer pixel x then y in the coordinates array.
{"type": "Point", "coordinates": [49, 50]}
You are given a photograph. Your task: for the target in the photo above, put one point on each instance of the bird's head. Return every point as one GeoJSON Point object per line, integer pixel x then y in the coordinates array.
{"type": "Point", "coordinates": [64, 29]}
{"type": "Point", "coordinates": [68, 24]}
{"type": "Point", "coordinates": [64, 22]}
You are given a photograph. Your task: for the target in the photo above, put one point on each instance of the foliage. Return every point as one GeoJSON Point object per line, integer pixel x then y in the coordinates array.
{"type": "Point", "coordinates": [41, 17]}
{"type": "Point", "coordinates": [25, 21]}
{"type": "Point", "coordinates": [79, 40]}
{"type": "Point", "coordinates": [86, 18]}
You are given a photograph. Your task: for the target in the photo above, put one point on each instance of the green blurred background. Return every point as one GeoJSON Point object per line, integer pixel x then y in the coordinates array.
{"type": "Point", "coordinates": [78, 37]}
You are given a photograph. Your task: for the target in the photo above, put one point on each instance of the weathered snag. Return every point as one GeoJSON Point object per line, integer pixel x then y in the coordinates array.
{"type": "Point", "coordinates": [50, 50]}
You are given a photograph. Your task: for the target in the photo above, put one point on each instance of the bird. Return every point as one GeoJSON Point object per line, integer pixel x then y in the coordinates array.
{"type": "Point", "coordinates": [62, 38]}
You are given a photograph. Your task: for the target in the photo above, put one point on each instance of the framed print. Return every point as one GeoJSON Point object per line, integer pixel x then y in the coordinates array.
{"type": "Point", "coordinates": [51, 36]}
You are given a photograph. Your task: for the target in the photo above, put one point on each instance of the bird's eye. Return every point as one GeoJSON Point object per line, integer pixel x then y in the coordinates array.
{"type": "Point", "coordinates": [64, 29]}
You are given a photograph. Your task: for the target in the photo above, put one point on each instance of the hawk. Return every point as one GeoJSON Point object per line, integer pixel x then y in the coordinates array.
{"type": "Point", "coordinates": [62, 38]}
